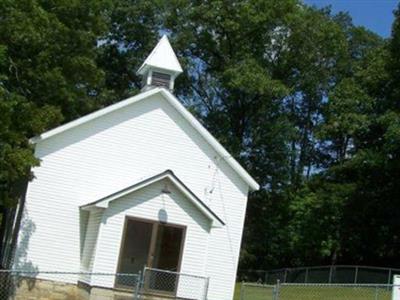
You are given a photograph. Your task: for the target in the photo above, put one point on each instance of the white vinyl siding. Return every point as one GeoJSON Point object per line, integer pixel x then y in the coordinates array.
{"type": "Point", "coordinates": [90, 243]}
{"type": "Point", "coordinates": [146, 204]}
{"type": "Point", "coordinates": [100, 157]}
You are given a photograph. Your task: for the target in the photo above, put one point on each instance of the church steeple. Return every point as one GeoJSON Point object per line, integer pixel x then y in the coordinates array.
{"type": "Point", "coordinates": [161, 67]}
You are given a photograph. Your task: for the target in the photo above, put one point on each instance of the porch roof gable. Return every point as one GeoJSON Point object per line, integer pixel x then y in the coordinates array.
{"type": "Point", "coordinates": [198, 203]}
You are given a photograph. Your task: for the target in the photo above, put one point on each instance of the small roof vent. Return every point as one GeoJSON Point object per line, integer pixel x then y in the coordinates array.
{"type": "Point", "coordinates": [161, 67]}
{"type": "Point", "coordinates": [160, 79]}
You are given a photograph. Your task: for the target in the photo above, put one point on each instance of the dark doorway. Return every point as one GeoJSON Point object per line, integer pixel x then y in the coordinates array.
{"type": "Point", "coordinates": [168, 248]}
{"type": "Point", "coordinates": [135, 248]}
{"type": "Point", "coordinates": [153, 245]}
{"type": "Point", "coordinates": [165, 259]}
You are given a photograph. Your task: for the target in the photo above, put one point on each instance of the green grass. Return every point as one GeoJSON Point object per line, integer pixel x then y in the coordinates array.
{"type": "Point", "coordinates": [314, 293]}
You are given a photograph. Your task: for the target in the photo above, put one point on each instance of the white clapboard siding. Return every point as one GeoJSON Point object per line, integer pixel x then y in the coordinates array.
{"type": "Point", "coordinates": [90, 242]}
{"type": "Point", "coordinates": [146, 203]}
{"type": "Point", "coordinates": [104, 155]}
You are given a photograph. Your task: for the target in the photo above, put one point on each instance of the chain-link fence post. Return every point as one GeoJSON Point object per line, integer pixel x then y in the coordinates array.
{"type": "Point", "coordinates": [277, 287]}
{"type": "Point", "coordinates": [242, 290]}
{"type": "Point", "coordinates": [137, 287]}
{"type": "Point", "coordinates": [356, 275]}
{"type": "Point", "coordinates": [306, 276]}
{"type": "Point", "coordinates": [274, 293]}
{"type": "Point", "coordinates": [145, 279]}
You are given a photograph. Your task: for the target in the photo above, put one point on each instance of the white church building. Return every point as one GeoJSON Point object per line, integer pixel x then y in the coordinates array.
{"type": "Point", "coordinates": [140, 183]}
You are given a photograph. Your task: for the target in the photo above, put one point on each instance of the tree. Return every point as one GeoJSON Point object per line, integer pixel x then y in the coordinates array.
{"type": "Point", "coordinates": [48, 75]}
{"type": "Point", "coordinates": [394, 62]}
{"type": "Point", "coordinates": [374, 167]}
{"type": "Point", "coordinates": [305, 100]}
{"type": "Point", "coordinates": [133, 31]}
{"type": "Point", "coordinates": [259, 75]}
{"type": "Point", "coordinates": [359, 134]}
{"type": "Point", "coordinates": [316, 56]}
{"type": "Point", "coordinates": [231, 55]}
{"type": "Point", "coordinates": [315, 226]}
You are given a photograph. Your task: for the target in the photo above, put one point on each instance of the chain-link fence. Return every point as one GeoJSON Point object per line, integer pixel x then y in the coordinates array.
{"type": "Point", "coordinates": [322, 274]}
{"type": "Point", "coordinates": [34, 285]}
{"type": "Point", "coordinates": [302, 291]}
{"type": "Point", "coordinates": [174, 285]}
{"type": "Point", "coordinates": [257, 291]}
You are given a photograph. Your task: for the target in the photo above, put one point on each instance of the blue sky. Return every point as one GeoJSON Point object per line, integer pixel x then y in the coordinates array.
{"type": "Point", "coordinates": [376, 15]}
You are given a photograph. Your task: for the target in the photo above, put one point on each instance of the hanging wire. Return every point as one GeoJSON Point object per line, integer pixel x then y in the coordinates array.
{"type": "Point", "coordinates": [216, 180]}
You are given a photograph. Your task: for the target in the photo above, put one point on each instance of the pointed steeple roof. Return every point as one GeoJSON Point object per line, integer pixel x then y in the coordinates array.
{"type": "Point", "coordinates": [162, 57]}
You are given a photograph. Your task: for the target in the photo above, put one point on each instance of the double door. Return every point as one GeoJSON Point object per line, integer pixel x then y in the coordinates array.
{"type": "Point", "coordinates": [154, 245]}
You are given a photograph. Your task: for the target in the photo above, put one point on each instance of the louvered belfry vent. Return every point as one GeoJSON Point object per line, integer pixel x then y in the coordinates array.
{"type": "Point", "coordinates": [161, 67]}
{"type": "Point", "coordinates": [160, 79]}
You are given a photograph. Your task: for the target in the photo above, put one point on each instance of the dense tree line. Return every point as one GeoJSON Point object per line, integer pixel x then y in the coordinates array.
{"type": "Point", "coordinates": [304, 99]}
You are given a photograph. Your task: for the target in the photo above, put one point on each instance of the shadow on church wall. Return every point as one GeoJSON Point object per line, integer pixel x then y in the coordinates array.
{"type": "Point", "coordinates": [23, 268]}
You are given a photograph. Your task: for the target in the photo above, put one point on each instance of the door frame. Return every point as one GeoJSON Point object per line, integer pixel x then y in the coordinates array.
{"type": "Point", "coordinates": [153, 240]}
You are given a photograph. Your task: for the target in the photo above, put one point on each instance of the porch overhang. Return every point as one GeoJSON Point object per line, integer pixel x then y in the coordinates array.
{"type": "Point", "coordinates": [104, 202]}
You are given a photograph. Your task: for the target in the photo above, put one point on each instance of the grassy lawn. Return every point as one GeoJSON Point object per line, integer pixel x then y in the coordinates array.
{"type": "Point", "coordinates": [314, 293]}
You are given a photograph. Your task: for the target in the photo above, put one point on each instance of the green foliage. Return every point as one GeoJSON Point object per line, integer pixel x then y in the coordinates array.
{"type": "Point", "coordinates": [347, 114]}
{"type": "Point", "coordinates": [305, 100]}
{"type": "Point", "coordinates": [292, 91]}
{"type": "Point", "coordinates": [132, 33]}
{"type": "Point", "coordinates": [394, 63]}
{"type": "Point", "coordinates": [319, 205]}
{"type": "Point", "coordinates": [48, 74]}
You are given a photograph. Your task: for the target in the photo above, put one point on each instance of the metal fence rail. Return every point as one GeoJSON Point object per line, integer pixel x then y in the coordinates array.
{"type": "Point", "coordinates": [322, 274]}
{"type": "Point", "coordinates": [174, 284]}
{"type": "Point", "coordinates": [301, 291]}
